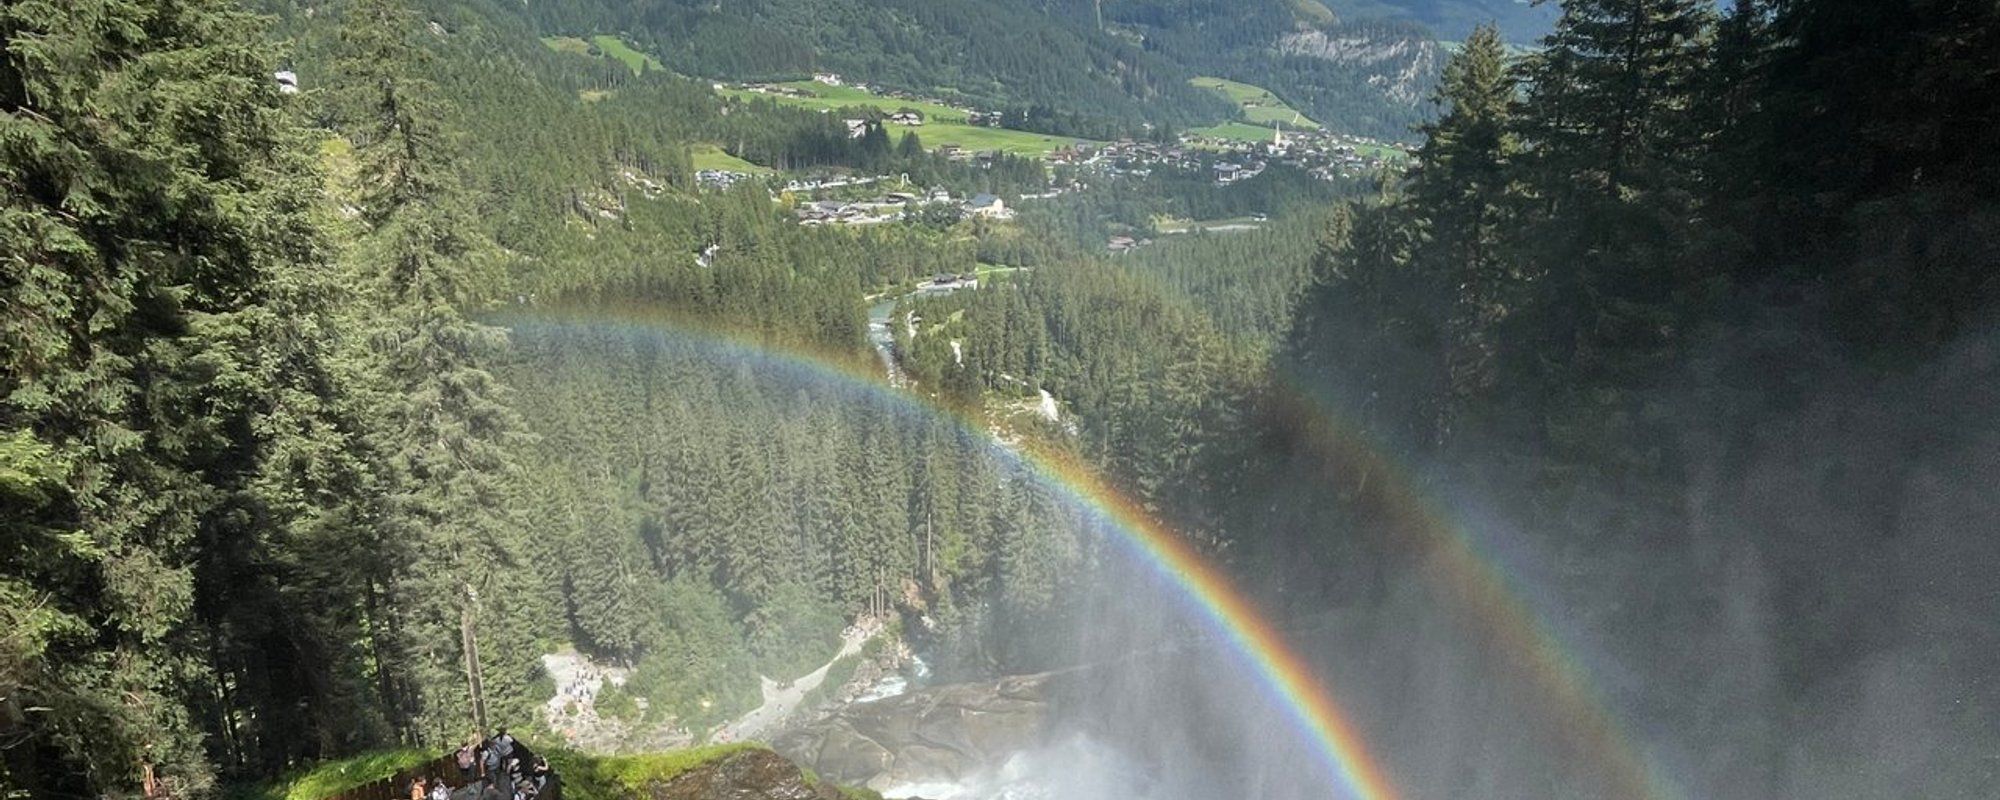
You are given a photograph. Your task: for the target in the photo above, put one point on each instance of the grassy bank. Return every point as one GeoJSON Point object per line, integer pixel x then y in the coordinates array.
{"type": "Point", "coordinates": [334, 777]}
{"type": "Point", "coordinates": [584, 777]}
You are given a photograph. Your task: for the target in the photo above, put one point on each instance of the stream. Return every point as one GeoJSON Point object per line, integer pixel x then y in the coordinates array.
{"type": "Point", "coordinates": [883, 338]}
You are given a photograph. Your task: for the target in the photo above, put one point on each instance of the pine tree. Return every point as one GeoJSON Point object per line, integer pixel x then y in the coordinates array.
{"type": "Point", "coordinates": [1611, 152]}
{"type": "Point", "coordinates": [1461, 195]}
{"type": "Point", "coordinates": [449, 542]}
{"type": "Point", "coordinates": [1878, 176]}
{"type": "Point", "coordinates": [910, 147]}
{"type": "Point", "coordinates": [156, 360]}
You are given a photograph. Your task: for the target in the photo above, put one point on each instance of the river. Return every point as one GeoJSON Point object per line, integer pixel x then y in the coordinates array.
{"type": "Point", "coordinates": [883, 338]}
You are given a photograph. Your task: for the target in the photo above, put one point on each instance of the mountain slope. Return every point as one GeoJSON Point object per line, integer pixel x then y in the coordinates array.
{"type": "Point", "coordinates": [996, 53]}
{"type": "Point", "coordinates": [1519, 22]}
{"type": "Point", "coordinates": [1355, 75]}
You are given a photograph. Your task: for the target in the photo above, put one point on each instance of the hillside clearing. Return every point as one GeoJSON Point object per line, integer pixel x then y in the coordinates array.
{"type": "Point", "coordinates": [1259, 105]}
{"type": "Point", "coordinates": [825, 96]}
{"type": "Point", "coordinates": [1236, 132]}
{"type": "Point", "coordinates": [708, 156]}
{"type": "Point", "coordinates": [943, 125]}
{"type": "Point", "coordinates": [605, 46]}
{"type": "Point", "coordinates": [978, 138]}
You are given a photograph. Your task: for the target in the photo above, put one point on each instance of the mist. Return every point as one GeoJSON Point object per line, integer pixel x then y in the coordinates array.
{"type": "Point", "coordinates": [1814, 616]}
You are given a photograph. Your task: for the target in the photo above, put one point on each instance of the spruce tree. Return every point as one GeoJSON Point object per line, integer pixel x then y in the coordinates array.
{"type": "Point", "coordinates": [1461, 195]}
{"type": "Point", "coordinates": [449, 543]}
{"type": "Point", "coordinates": [157, 357]}
{"type": "Point", "coordinates": [1611, 156]}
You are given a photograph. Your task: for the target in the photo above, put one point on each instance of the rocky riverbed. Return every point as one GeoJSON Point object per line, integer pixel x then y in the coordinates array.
{"type": "Point", "coordinates": [940, 734]}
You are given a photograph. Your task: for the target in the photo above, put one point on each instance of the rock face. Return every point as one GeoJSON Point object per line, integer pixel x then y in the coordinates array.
{"type": "Point", "coordinates": [945, 733]}
{"type": "Point", "coordinates": [1401, 67]}
{"type": "Point", "coordinates": [751, 775]}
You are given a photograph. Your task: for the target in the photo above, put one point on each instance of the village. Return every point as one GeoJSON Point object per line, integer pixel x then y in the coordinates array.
{"type": "Point", "coordinates": [1323, 155]}
{"type": "Point", "coordinates": [843, 199]}
{"type": "Point", "coordinates": [895, 206]}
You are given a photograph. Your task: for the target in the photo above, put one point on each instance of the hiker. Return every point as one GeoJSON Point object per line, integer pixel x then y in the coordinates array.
{"type": "Point", "coordinates": [467, 759]}
{"type": "Point", "coordinates": [439, 791]}
{"type": "Point", "coordinates": [539, 775]}
{"type": "Point", "coordinates": [418, 789]}
{"type": "Point", "coordinates": [504, 742]}
{"type": "Point", "coordinates": [489, 760]}
{"type": "Point", "coordinates": [548, 785]}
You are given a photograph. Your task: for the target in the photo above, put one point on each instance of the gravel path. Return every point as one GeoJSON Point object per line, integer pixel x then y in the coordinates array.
{"type": "Point", "coordinates": [781, 701]}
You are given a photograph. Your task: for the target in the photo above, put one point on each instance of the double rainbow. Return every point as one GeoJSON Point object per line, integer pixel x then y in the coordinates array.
{"type": "Point", "coordinates": [1282, 673]}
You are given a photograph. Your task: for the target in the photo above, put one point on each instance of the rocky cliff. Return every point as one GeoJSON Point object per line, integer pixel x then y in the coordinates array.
{"type": "Point", "coordinates": [1401, 67]}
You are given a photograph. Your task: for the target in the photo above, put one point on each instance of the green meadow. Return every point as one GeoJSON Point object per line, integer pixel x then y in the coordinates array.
{"type": "Point", "coordinates": [835, 97]}
{"type": "Point", "coordinates": [943, 125]}
{"type": "Point", "coordinates": [708, 156]}
{"type": "Point", "coordinates": [977, 138]}
{"type": "Point", "coordinates": [1259, 105]}
{"type": "Point", "coordinates": [605, 46]}
{"type": "Point", "coordinates": [1235, 131]}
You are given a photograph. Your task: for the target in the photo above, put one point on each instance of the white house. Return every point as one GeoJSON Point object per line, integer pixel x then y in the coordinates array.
{"type": "Point", "coordinates": [988, 206]}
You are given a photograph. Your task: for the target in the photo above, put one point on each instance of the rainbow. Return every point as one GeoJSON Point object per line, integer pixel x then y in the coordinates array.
{"type": "Point", "coordinates": [1304, 697]}
{"type": "Point", "coordinates": [1476, 582]}
{"type": "Point", "coordinates": [1282, 672]}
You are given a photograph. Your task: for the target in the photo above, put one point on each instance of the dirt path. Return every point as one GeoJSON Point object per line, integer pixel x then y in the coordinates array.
{"type": "Point", "coordinates": [781, 701]}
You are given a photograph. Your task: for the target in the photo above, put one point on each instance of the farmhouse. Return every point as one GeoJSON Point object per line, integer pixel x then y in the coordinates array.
{"type": "Point", "coordinates": [988, 206]}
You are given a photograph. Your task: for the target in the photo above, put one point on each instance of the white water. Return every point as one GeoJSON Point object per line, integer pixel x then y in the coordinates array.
{"type": "Point", "coordinates": [893, 685]}
{"type": "Point", "coordinates": [1077, 768]}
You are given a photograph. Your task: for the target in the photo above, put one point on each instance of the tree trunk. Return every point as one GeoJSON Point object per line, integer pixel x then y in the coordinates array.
{"type": "Point", "coordinates": [470, 634]}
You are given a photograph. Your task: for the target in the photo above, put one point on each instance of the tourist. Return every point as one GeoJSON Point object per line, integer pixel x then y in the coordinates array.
{"type": "Point", "coordinates": [548, 785]}
{"type": "Point", "coordinates": [418, 789]}
{"type": "Point", "coordinates": [539, 776]}
{"type": "Point", "coordinates": [504, 742]}
{"type": "Point", "coordinates": [489, 760]}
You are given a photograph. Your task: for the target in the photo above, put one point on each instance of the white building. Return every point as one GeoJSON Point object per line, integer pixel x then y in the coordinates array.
{"type": "Point", "coordinates": [988, 206]}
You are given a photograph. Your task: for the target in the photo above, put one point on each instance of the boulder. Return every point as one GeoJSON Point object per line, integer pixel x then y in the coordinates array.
{"type": "Point", "coordinates": [938, 734]}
